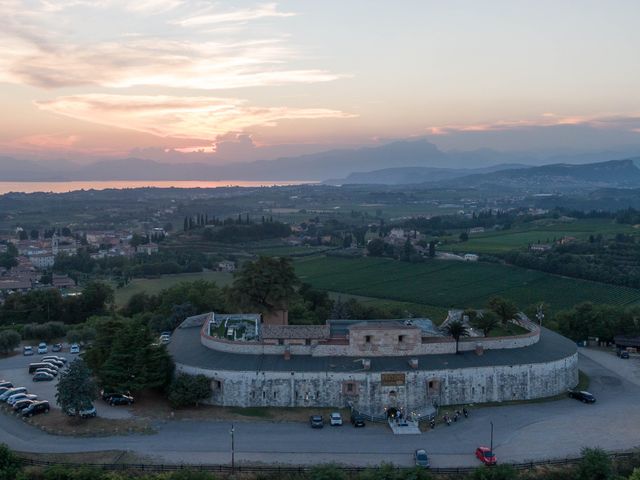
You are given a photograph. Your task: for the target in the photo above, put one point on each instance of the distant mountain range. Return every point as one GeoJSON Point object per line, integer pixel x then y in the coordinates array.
{"type": "Point", "coordinates": [399, 162]}
{"type": "Point", "coordinates": [409, 175]}
{"type": "Point", "coordinates": [556, 177]}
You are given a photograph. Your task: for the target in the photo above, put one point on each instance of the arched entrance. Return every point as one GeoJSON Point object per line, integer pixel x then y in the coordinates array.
{"type": "Point", "coordinates": [392, 412]}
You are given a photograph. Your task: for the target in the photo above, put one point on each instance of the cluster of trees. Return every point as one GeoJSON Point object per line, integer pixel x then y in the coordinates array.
{"type": "Point", "coordinates": [595, 465]}
{"type": "Point", "coordinates": [43, 332]}
{"type": "Point", "coordinates": [187, 390]}
{"type": "Point", "coordinates": [200, 220]}
{"type": "Point", "coordinates": [499, 311]}
{"type": "Point", "coordinates": [164, 262]}
{"type": "Point", "coordinates": [125, 357]}
{"type": "Point", "coordinates": [9, 341]}
{"type": "Point", "coordinates": [377, 247]}
{"type": "Point", "coordinates": [615, 261]}
{"type": "Point", "coordinates": [39, 306]}
{"type": "Point", "coordinates": [251, 232]}
{"type": "Point", "coordinates": [601, 321]}
{"type": "Point", "coordinates": [9, 259]}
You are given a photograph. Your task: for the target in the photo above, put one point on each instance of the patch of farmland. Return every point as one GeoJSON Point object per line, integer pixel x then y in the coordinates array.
{"type": "Point", "coordinates": [448, 284]}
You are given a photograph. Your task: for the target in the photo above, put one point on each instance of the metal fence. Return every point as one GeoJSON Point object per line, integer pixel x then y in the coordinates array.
{"type": "Point", "coordinates": [227, 469]}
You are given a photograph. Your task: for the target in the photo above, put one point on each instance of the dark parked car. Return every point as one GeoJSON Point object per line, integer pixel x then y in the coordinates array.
{"type": "Point", "coordinates": [57, 347]}
{"type": "Point", "coordinates": [316, 421]}
{"type": "Point", "coordinates": [624, 354]}
{"type": "Point", "coordinates": [421, 458]}
{"type": "Point", "coordinates": [357, 420]}
{"type": "Point", "coordinates": [120, 399]}
{"type": "Point", "coordinates": [42, 377]}
{"type": "Point", "coordinates": [35, 408]}
{"type": "Point", "coordinates": [5, 384]}
{"type": "Point", "coordinates": [584, 397]}
{"type": "Point", "coordinates": [107, 394]}
{"type": "Point", "coordinates": [22, 404]}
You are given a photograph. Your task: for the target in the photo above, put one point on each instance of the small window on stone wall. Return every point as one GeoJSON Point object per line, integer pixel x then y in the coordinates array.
{"type": "Point", "coordinates": [367, 339]}
{"type": "Point", "coordinates": [400, 338]}
{"type": "Point", "coordinates": [350, 388]}
{"type": "Point", "coordinates": [275, 395]}
{"type": "Point", "coordinates": [264, 394]}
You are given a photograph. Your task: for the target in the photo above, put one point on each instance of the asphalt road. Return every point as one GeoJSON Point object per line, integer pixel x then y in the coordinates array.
{"type": "Point", "coordinates": [522, 432]}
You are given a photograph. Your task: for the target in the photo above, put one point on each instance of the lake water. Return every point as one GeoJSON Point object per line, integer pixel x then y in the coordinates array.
{"type": "Point", "coordinates": [62, 187]}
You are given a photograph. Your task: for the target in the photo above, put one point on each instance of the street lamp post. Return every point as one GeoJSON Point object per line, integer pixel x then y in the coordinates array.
{"type": "Point", "coordinates": [540, 313]}
{"type": "Point", "coordinates": [233, 451]}
{"type": "Point", "coordinates": [491, 447]}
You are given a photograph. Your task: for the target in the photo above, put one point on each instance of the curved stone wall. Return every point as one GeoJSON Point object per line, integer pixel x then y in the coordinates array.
{"type": "Point", "coordinates": [373, 392]}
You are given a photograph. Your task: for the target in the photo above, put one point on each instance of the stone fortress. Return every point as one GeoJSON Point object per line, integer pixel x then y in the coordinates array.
{"type": "Point", "coordinates": [377, 367]}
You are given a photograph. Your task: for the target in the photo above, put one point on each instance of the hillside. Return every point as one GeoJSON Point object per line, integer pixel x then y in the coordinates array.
{"type": "Point", "coordinates": [558, 177]}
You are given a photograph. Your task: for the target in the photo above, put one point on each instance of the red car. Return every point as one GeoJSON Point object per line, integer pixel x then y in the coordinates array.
{"type": "Point", "coordinates": [486, 456]}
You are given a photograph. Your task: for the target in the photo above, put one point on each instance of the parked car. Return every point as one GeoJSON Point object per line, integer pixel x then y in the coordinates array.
{"type": "Point", "coordinates": [18, 396]}
{"type": "Point", "coordinates": [421, 458]}
{"type": "Point", "coordinates": [53, 361]}
{"type": "Point", "coordinates": [335, 419]}
{"type": "Point", "coordinates": [107, 393]}
{"type": "Point", "coordinates": [120, 399]}
{"type": "Point", "coordinates": [22, 404]}
{"type": "Point", "coordinates": [42, 348]}
{"type": "Point", "coordinates": [486, 456]}
{"type": "Point", "coordinates": [35, 366]}
{"type": "Point", "coordinates": [27, 350]}
{"type": "Point", "coordinates": [57, 347]}
{"type": "Point", "coordinates": [11, 391]}
{"type": "Point", "coordinates": [74, 349]}
{"type": "Point", "coordinates": [164, 339]}
{"type": "Point", "coordinates": [4, 389]}
{"type": "Point", "coordinates": [6, 384]}
{"type": "Point", "coordinates": [35, 408]}
{"type": "Point", "coordinates": [42, 377]}
{"type": "Point", "coordinates": [624, 354]}
{"type": "Point", "coordinates": [584, 397]}
{"type": "Point", "coordinates": [86, 413]}
{"type": "Point", "coordinates": [50, 365]}
{"type": "Point", "coordinates": [56, 358]}
{"type": "Point", "coordinates": [357, 420]}
{"type": "Point", "coordinates": [50, 371]}
{"type": "Point", "coordinates": [316, 421]}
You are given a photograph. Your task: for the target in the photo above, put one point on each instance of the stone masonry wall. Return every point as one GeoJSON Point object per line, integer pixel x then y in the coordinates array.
{"type": "Point", "coordinates": [372, 392]}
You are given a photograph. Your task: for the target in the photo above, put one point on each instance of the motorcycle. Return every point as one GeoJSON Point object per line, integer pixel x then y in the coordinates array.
{"type": "Point", "coordinates": [465, 412]}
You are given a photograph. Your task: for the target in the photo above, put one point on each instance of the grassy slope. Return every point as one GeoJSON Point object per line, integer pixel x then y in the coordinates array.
{"type": "Point", "coordinates": [448, 284]}
{"type": "Point", "coordinates": [154, 285]}
{"type": "Point", "coordinates": [505, 240]}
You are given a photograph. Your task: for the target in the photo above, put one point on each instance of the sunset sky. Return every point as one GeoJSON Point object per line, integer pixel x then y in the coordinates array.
{"type": "Point", "coordinates": [83, 79]}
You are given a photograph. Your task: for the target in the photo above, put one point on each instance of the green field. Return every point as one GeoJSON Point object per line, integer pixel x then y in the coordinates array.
{"type": "Point", "coordinates": [447, 284]}
{"type": "Point", "coordinates": [154, 285]}
{"type": "Point", "coordinates": [522, 237]}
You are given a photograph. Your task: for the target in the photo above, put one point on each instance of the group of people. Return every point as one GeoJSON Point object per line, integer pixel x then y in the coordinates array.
{"type": "Point", "coordinates": [446, 418]}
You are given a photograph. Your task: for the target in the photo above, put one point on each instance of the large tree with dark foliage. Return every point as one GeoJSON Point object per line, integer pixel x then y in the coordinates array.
{"type": "Point", "coordinates": [135, 362]}
{"type": "Point", "coordinates": [189, 390]}
{"type": "Point", "coordinates": [266, 285]}
{"type": "Point", "coordinates": [76, 389]}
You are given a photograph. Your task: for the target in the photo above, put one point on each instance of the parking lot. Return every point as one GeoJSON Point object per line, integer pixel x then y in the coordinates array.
{"type": "Point", "coordinates": [15, 369]}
